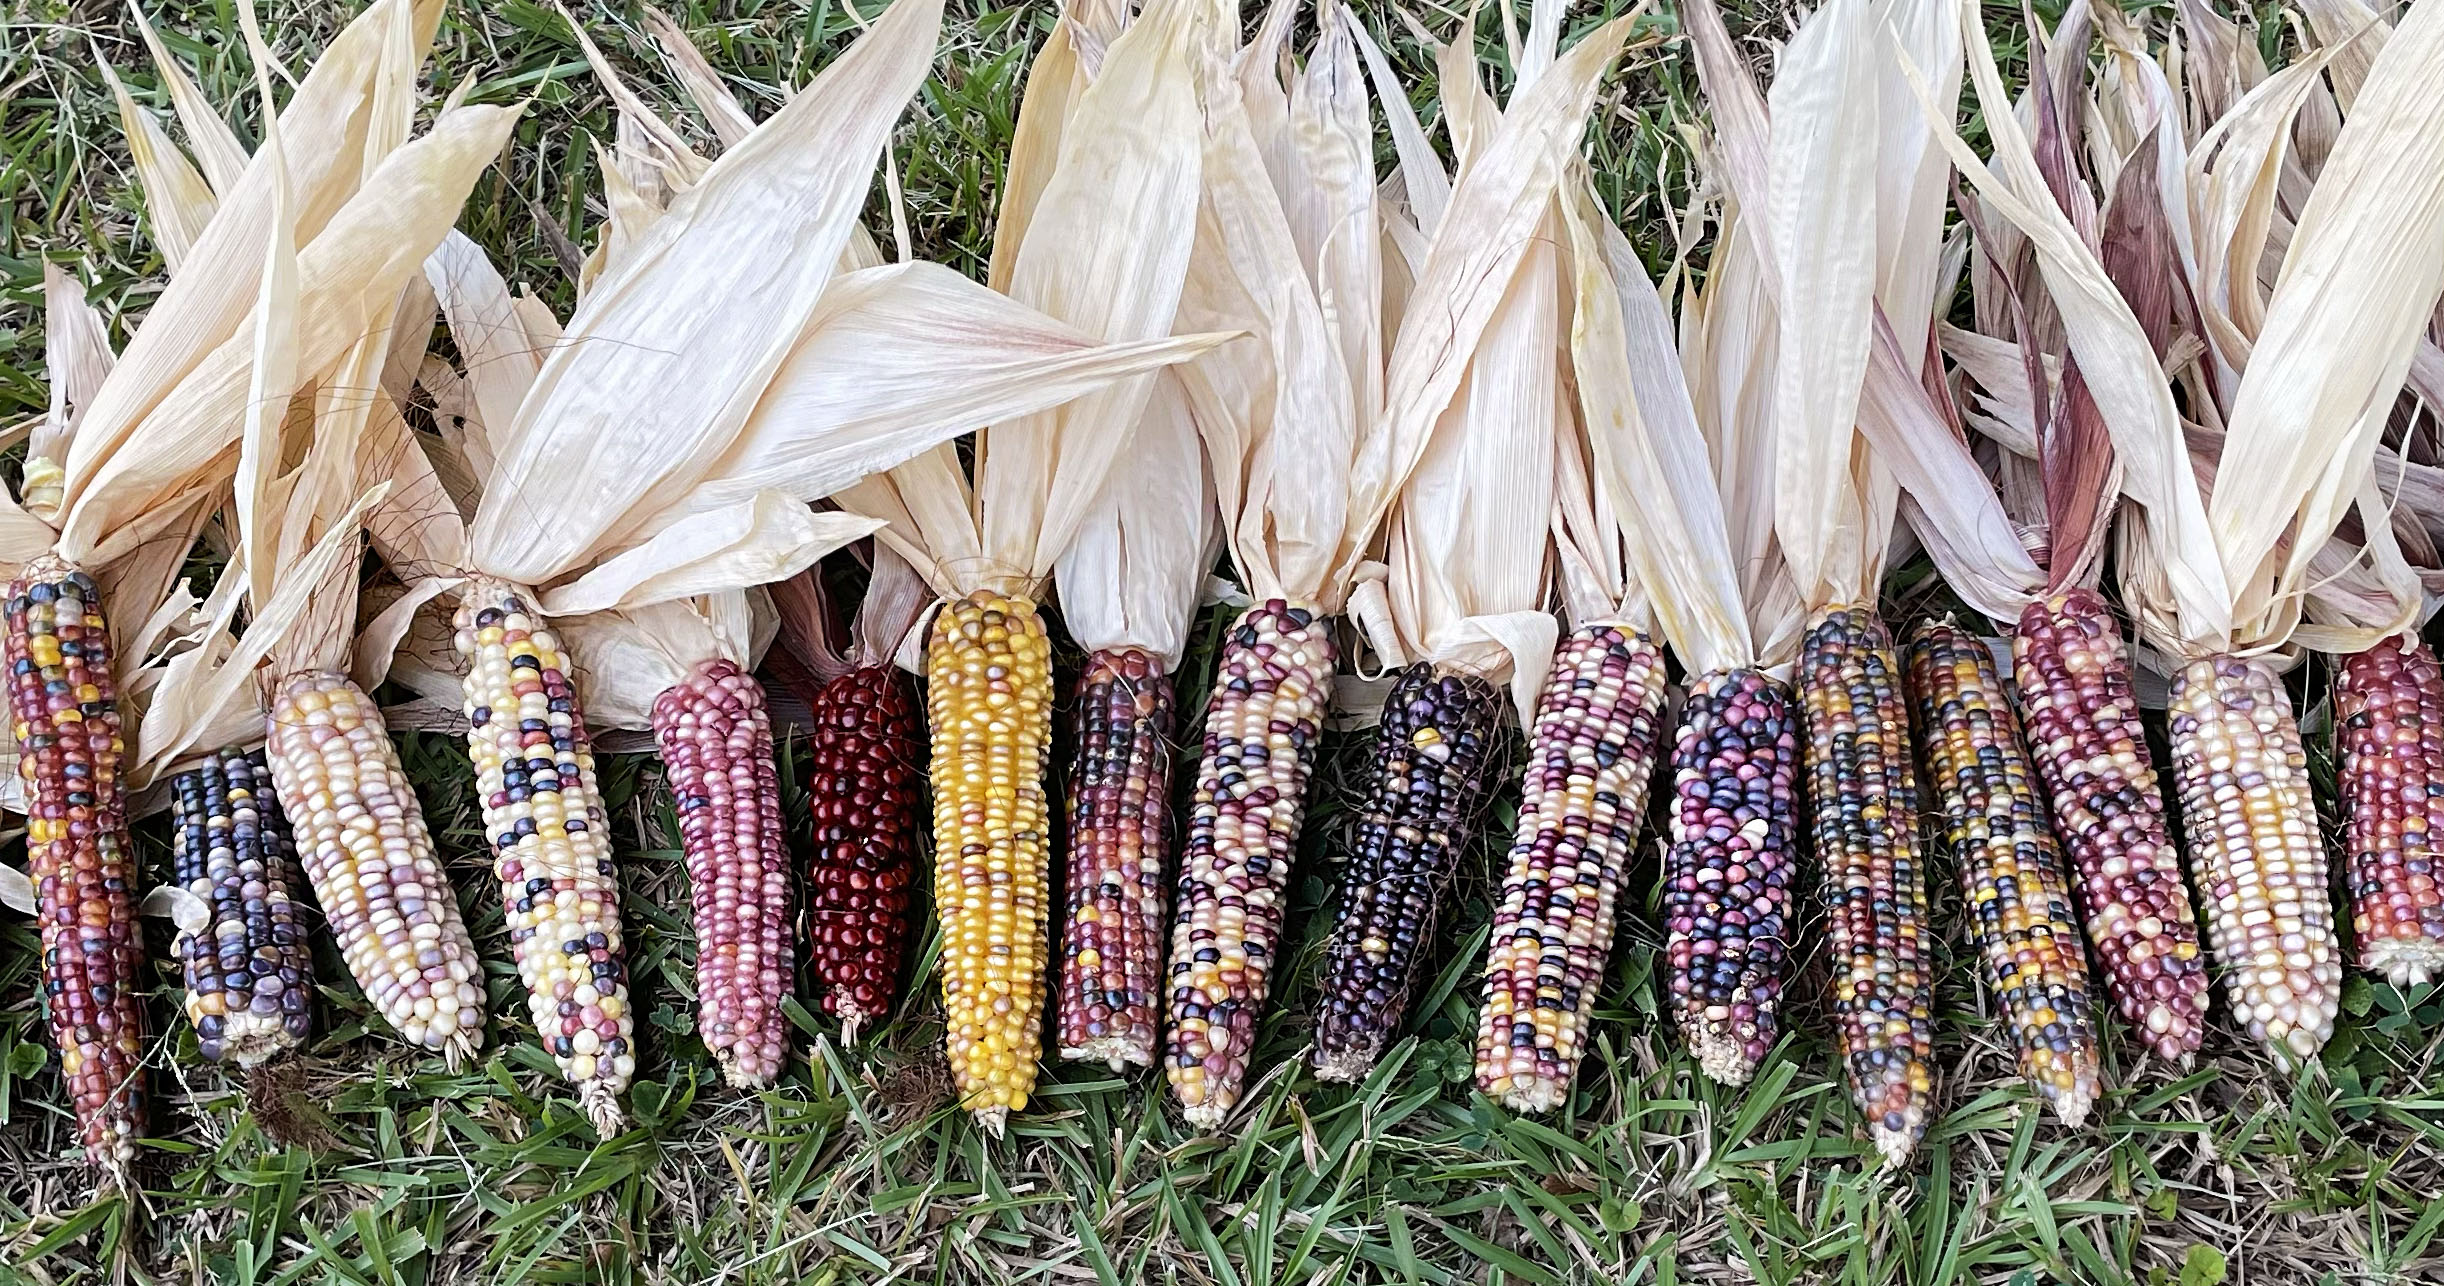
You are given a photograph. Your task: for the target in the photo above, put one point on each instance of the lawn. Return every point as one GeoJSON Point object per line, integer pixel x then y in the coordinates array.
{"type": "Point", "coordinates": [371, 1165]}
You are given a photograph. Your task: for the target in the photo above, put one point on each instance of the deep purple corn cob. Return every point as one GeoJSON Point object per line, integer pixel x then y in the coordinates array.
{"type": "Point", "coordinates": [865, 783]}
{"type": "Point", "coordinates": [1591, 755]}
{"type": "Point", "coordinates": [2389, 704]}
{"type": "Point", "coordinates": [1119, 843]}
{"type": "Point", "coordinates": [1727, 875]}
{"type": "Point", "coordinates": [249, 971]}
{"type": "Point", "coordinates": [64, 712]}
{"type": "Point", "coordinates": [2252, 830]}
{"type": "Point", "coordinates": [715, 735]}
{"type": "Point", "coordinates": [1863, 799]}
{"type": "Point", "coordinates": [2011, 870]}
{"type": "Point", "coordinates": [2073, 676]}
{"type": "Point", "coordinates": [1262, 723]}
{"type": "Point", "coordinates": [1432, 765]}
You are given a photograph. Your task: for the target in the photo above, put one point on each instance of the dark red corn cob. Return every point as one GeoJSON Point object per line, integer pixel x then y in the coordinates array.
{"type": "Point", "coordinates": [2389, 703]}
{"type": "Point", "coordinates": [2082, 717]}
{"type": "Point", "coordinates": [1262, 724]}
{"type": "Point", "coordinates": [715, 735]}
{"type": "Point", "coordinates": [1119, 833]}
{"type": "Point", "coordinates": [1863, 798]}
{"type": "Point", "coordinates": [1432, 764]}
{"type": "Point", "coordinates": [1727, 874]}
{"type": "Point", "coordinates": [1591, 757]}
{"type": "Point", "coordinates": [65, 715]}
{"type": "Point", "coordinates": [249, 974]}
{"type": "Point", "coordinates": [2011, 870]}
{"type": "Point", "coordinates": [866, 757]}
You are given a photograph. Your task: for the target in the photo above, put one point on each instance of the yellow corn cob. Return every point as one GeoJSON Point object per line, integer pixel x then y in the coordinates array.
{"type": "Point", "coordinates": [534, 770]}
{"type": "Point", "coordinates": [988, 672]}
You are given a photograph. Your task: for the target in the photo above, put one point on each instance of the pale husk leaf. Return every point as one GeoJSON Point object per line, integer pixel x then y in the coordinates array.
{"type": "Point", "coordinates": [216, 146]}
{"type": "Point", "coordinates": [2357, 291]}
{"type": "Point", "coordinates": [766, 537]}
{"type": "Point", "coordinates": [348, 281]}
{"type": "Point", "coordinates": [730, 121]}
{"type": "Point", "coordinates": [76, 356]}
{"type": "Point", "coordinates": [1647, 454]}
{"type": "Point", "coordinates": [203, 309]}
{"type": "Point", "coordinates": [667, 354]}
{"type": "Point", "coordinates": [177, 201]}
{"type": "Point", "coordinates": [1106, 251]}
{"type": "Point", "coordinates": [1134, 574]}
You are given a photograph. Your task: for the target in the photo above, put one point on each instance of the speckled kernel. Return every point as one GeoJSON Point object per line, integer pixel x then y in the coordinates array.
{"type": "Point", "coordinates": [715, 735]}
{"type": "Point", "coordinates": [1119, 843]}
{"type": "Point", "coordinates": [1262, 723]}
{"type": "Point", "coordinates": [1424, 789]}
{"type": "Point", "coordinates": [543, 811]}
{"type": "Point", "coordinates": [1591, 756]}
{"type": "Point", "coordinates": [1727, 873]}
{"type": "Point", "coordinates": [2016, 896]}
{"type": "Point", "coordinates": [1863, 797]}
{"type": "Point", "coordinates": [249, 972]}
{"type": "Point", "coordinates": [362, 841]}
{"type": "Point", "coordinates": [2090, 750]}
{"type": "Point", "coordinates": [64, 713]}
{"type": "Point", "coordinates": [2389, 706]}
{"type": "Point", "coordinates": [2252, 830]}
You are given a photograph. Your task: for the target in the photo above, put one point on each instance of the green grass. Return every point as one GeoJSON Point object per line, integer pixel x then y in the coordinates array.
{"type": "Point", "coordinates": [859, 1169]}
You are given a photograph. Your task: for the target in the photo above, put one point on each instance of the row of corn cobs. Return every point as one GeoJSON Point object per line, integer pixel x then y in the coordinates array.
{"type": "Point", "coordinates": [1725, 885]}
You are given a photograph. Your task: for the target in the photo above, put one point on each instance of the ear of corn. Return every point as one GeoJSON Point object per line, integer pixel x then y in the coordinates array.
{"type": "Point", "coordinates": [2252, 831]}
{"type": "Point", "coordinates": [362, 840]}
{"type": "Point", "coordinates": [1262, 722]}
{"type": "Point", "coordinates": [1864, 804]}
{"type": "Point", "coordinates": [534, 770]}
{"type": "Point", "coordinates": [1431, 767]}
{"type": "Point", "coordinates": [715, 736]}
{"type": "Point", "coordinates": [2011, 870]}
{"type": "Point", "coordinates": [2090, 750]}
{"type": "Point", "coordinates": [865, 789]}
{"type": "Point", "coordinates": [64, 713]}
{"type": "Point", "coordinates": [1591, 755]}
{"type": "Point", "coordinates": [988, 670]}
{"type": "Point", "coordinates": [2389, 705]}
{"type": "Point", "coordinates": [1119, 837]}
{"type": "Point", "coordinates": [249, 974]}
{"type": "Point", "coordinates": [1727, 874]}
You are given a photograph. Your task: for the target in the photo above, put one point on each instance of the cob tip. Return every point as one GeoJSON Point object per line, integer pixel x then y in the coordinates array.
{"type": "Point", "coordinates": [1208, 1115]}
{"type": "Point", "coordinates": [1344, 1066]}
{"type": "Point", "coordinates": [1120, 1053]}
{"type": "Point", "coordinates": [2404, 962]}
{"type": "Point", "coordinates": [1724, 1059]}
{"type": "Point", "coordinates": [994, 1120]}
{"type": "Point", "coordinates": [1895, 1146]}
{"type": "Point", "coordinates": [601, 1103]}
{"type": "Point", "coordinates": [2071, 1105]}
{"type": "Point", "coordinates": [1535, 1095]}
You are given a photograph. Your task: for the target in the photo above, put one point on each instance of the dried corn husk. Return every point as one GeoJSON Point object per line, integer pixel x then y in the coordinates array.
{"type": "Point", "coordinates": [1476, 372]}
{"type": "Point", "coordinates": [1103, 244]}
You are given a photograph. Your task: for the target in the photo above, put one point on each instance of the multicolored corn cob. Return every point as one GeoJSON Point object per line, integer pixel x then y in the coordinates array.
{"type": "Point", "coordinates": [2082, 717]}
{"type": "Point", "coordinates": [988, 671]}
{"type": "Point", "coordinates": [1432, 765]}
{"type": "Point", "coordinates": [865, 786]}
{"type": "Point", "coordinates": [64, 713]}
{"type": "Point", "coordinates": [1863, 800]}
{"type": "Point", "coordinates": [1119, 843]}
{"type": "Point", "coordinates": [2011, 870]}
{"type": "Point", "coordinates": [2389, 704]}
{"type": "Point", "coordinates": [1727, 874]}
{"type": "Point", "coordinates": [1262, 724]}
{"type": "Point", "coordinates": [534, 770]}
{"type": "Point", "coordinates": [362, 840]}
{"type": "Point", "coordinates": [249, 972]}
{"type": "Point", "coordinates": [2252, 830]}
{"type": "Point", "coordinates": [715, 735]}
{"type": "Point", "coordinates": [1591, 756]}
